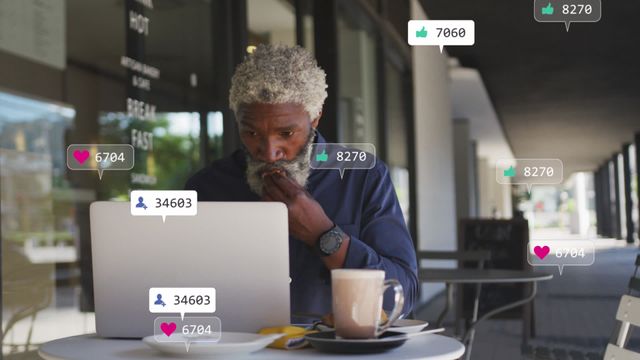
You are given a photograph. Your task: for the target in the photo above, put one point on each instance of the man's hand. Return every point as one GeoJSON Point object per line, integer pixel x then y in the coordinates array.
{"type": "Point", "coordinates": [307, 219]}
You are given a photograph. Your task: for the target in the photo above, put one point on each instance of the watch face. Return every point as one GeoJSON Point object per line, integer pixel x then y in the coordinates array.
{"type": "Point", "coordinates": [330, 242]}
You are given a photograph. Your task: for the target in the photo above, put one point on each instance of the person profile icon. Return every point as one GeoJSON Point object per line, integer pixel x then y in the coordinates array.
{"type": "Point", "coordinates": [140, 203]}
{"type": "Point", "coordinates": [159, 301]}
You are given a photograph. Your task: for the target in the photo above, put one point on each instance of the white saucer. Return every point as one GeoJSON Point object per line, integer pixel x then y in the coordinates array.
{"type": "Point", "coordinates": [230, 343]}
{"type": "Point", "coordinates": [408, 326]}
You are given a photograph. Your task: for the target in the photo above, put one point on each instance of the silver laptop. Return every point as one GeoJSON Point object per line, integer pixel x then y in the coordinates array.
{"type": "Point", "coordinates": [239, 248]}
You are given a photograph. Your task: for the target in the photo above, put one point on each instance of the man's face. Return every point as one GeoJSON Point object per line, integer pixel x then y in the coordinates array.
{"type": "Point", "coordinates": [276, 136]}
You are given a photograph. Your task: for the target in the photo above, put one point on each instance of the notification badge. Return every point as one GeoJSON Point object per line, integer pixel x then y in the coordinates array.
{"type": "Point", "coordinates": [567, 11]}
{"type": "Point", "coordinates": [561, 253]}
{"type": "Point", "coordinates": [100, 157]}
{"type": "Point", "coordinates": [441, 33]}
{"type": "Point", "coordinates": [343, 156]}
{"type": "Point", "coordinates": [182, 300]}
{"type": "Point", "coordinates": [187, 330]}
{"type": "Point", "coordinates": [529, 172]}
{"type": "Point", "coordinates": [164, 203]}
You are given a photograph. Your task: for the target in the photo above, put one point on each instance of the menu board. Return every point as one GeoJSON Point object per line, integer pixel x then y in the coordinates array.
{"type": "Point", "coordinates": [34, 29]}
{"type": "Point", "coordinates": [507, 241]}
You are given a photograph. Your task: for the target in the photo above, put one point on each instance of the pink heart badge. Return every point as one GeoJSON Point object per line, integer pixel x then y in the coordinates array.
{"type": "Point", "coordinates": [81, 155]}
{"type": "Point", "coordinates": [541, 251]}
{"type": "Point", "coordinates": [168, 328]}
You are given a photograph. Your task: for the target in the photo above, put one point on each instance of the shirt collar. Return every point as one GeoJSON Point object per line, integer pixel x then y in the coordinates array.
{"type": "Point", "coordinates": [319, 138]}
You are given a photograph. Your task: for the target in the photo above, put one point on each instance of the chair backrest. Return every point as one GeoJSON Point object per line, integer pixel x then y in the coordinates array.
{"type": "Point", "coordinates": [614, 352]}
{"type": "Point", "coordinates": [634, 282]}
{"type": "Point", "coordinates": [629, 315]}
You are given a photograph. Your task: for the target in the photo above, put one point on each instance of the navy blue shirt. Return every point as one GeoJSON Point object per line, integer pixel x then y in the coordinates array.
{"type": "Point", "coordinates": [363, 204]}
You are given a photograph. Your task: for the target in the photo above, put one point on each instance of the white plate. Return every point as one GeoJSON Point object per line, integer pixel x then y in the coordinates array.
{"type": "Point", "coordinates": [231, 343]}
{"type": "Point", "coordinates": [408, 326]}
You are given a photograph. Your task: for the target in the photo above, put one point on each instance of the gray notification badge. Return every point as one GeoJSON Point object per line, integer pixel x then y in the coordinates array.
{"type": "Point", "coordinates": [100, 157]}
{"type": "Point", "coordinates": [343, 156]}
{"type": "Point", "coordinates": [561, 253]}
{"type": "Point", "coordinates": [197, 329]}
{"type": "Point", "coordinates": [529, 172]}
{"type": "Point", "coordinates": [567, 11]}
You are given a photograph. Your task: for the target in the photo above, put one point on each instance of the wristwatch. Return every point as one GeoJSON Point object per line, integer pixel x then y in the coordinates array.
{"type": "Point", "coordinates": [330, 242]}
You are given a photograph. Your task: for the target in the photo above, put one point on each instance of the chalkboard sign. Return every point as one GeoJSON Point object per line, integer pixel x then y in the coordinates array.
{"type": "Point", "coordinates": [507, 241]}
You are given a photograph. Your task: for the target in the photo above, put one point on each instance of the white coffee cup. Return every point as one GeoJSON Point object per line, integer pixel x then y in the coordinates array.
{"type": "Point", "coordinates": [357, 302]}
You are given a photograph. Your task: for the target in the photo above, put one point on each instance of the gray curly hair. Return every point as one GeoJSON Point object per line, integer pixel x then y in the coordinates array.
{"type": "Point", "coordinates": [279, 74]}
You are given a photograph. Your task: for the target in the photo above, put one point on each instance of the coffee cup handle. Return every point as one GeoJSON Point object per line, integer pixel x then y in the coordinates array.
{"type": "Point", "coordinates": [398, 304]}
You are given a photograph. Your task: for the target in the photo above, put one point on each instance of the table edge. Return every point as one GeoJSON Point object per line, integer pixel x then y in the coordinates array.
{"type": "Point", "coordinates": [46, 356]}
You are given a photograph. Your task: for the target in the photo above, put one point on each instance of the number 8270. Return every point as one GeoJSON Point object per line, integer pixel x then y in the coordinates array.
{"type": "Point", "coordinates": [351, 155]}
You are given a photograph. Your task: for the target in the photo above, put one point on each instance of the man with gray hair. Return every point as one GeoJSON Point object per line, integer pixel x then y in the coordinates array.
{"type": "Point", "coordinates": [277, 94]}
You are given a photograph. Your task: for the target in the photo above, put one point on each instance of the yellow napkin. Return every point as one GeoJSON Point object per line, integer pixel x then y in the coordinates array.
{"type": "Point", "coordinates": [294, 338]}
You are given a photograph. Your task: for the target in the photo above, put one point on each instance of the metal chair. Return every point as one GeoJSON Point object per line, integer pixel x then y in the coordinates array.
{"type": "Point", "coordinates": [628, 314]}
{"type": "Point", "coordinates": [634, 282]}
{"type": "Point", "coordinates": [622, 332]}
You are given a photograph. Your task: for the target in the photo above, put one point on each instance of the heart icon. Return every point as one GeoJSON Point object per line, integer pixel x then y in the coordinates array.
{"type": "Point", "coordinates": [541, 251]}
{"type": "Point", "coordinates": [168, 328]}
{"type": "Point", "coordinates": [81, 155]}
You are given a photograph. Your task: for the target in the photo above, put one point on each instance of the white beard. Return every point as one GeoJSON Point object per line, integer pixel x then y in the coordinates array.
{"type": "Point", "coordinates": [297, 169]}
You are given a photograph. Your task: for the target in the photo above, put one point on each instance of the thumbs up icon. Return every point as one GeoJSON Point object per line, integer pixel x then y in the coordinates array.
{"type": "Point", "coordinates": [510, 172]}
{"type": "Point", "coordinates": [547, 10]}
{"type": "Point", "coordinates": [323, 156]}
{"type": "Point", "coordinates": [422, 33]}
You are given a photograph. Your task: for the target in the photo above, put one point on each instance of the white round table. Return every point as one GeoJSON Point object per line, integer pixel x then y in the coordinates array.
{"type": "Point", "coordinates": [431, 347]}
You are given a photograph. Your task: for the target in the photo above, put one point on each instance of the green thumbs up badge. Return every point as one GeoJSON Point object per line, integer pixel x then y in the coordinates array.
{"type": "Point", "coordinates": [529, 172]}
{"type": "Point", "coordinates": [343, 156]}
{"type": "Point", "coordinates": [441, 33]}
{"type": "Point", "coordinates": [567, 11]}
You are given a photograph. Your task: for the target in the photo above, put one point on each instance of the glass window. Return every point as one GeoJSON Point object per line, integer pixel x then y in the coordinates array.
{"type": "Point", "coordinates": [40, 232]}
{"type": "Point", "coordinates": [108, 72]}
{"type": "Point", "coordinates": [309, 40]}
{"type": "Point", "coordinates": [214, 132]}
{"type": "Point", "coordinates": [396, 136]}
{"type": "Point", "coordinates": [396, 117]}
{"type": "Point", "coordinates": [357, 103]}
{"type": "Point", "coordinates": [271, 22]}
